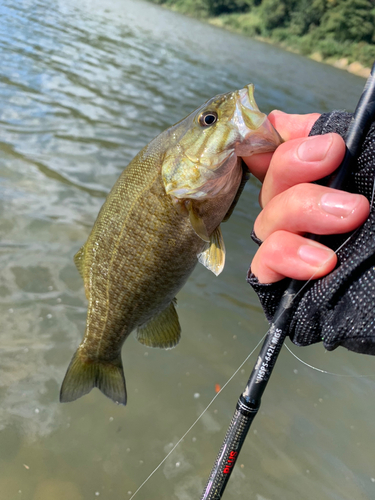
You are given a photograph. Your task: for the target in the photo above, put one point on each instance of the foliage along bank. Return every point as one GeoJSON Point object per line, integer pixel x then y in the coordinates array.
{"type": "Point", "coordinates": [340, 31]}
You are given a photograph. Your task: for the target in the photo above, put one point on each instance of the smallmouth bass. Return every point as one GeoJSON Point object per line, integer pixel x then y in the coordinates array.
{"type": "Point", "coordinates": [161, 217]}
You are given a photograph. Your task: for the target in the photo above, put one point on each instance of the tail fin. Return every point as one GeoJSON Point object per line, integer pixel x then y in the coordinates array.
{"type": "Point", "coordinates": [82, 376]}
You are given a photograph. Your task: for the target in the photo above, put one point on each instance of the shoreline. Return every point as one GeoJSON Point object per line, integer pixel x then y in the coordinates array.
{"type": "Point", "coordinates": [355, 67]}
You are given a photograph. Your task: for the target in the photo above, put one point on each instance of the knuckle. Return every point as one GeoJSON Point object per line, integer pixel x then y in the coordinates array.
{"type": "Point", "coordinates": [300, 199]}
{"type": "Point", "coordinates": [273, 246]}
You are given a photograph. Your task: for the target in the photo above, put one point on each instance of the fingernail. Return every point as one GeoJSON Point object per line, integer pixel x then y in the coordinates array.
{"type": "Point", "coordinates": [339, 203]}
{"type": "Point", "coordinates": [314, 255]}
{"type": "Point", "coordinates": [314, 148]}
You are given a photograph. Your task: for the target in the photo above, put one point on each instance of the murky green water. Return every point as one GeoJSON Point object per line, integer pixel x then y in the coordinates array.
{"type": "Point", "coordinates": [83, 86]}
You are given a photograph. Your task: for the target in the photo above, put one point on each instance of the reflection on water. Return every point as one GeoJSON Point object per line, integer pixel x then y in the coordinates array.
{"type": "Point", "coordinates": [83, 87]}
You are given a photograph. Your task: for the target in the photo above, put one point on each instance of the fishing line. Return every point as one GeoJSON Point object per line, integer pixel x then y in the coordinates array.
{"type": "Point", "coordinates": [325, 371]}
{"type": "Point", "coordinates": [249, 401]}
{"type": "Point", "coordinates": [324, 263]}
{"type": "Point", "coordinates": [198, 418]}
{"type": "Point", "coordinates": [336, 251]}
{"type": "Point", "coordinates": [248, 357]}
{"type": "Point", "coordinates": [233, 375]}
{"type": "Point", "coordinates": [372, 196]}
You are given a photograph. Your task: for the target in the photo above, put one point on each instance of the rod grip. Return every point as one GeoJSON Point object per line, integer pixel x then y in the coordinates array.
{"type": "Point", "coordinates": [229, 451]}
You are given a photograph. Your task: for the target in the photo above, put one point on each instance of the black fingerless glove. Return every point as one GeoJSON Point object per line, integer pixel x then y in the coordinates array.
{"type": "Point", "coordinates": [338, 309]}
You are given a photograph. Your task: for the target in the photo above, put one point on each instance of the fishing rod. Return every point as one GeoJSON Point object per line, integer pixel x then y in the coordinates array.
{"type": "Point", "coordinates": [249, 402]}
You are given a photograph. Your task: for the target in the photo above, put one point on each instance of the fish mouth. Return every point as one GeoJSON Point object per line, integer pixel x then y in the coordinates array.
{"type": "Point", "coordinates": [246, 131]}
{"type": "Point", "coordinates": [258, 135]}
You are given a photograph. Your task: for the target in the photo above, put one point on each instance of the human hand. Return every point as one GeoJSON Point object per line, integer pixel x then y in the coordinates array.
{"type": "Point", "coordinates": [291, 206]}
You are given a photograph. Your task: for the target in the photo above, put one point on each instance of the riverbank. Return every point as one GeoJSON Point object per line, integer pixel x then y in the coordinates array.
{"type": "Point", "coordinates": [343, 63]}
{"type": "Point", "coordinates": [313, 40]}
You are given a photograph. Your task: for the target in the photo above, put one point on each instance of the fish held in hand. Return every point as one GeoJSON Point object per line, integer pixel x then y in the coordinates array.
{"type": "Point", "coordinates": [161, 217]}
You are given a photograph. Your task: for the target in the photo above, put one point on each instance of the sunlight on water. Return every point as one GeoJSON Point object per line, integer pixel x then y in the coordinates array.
{"type": "Point", "coordinates": [83, 87]}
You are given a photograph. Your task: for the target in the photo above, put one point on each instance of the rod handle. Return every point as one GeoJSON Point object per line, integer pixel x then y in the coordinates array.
{"type": "Point", "coordinates": [230, 449]}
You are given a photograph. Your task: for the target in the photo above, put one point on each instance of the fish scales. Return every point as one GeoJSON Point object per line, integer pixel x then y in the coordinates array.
{"type": "Point", "coordinates": [137, 246]}
{"type": "Point", "coordinates": [154, 225]}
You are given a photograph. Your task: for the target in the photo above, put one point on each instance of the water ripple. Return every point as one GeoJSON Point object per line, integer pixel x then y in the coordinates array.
{"type": "Point", "coordinates": [83, 87]}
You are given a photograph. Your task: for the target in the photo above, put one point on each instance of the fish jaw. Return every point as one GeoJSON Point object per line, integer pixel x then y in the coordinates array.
{"type": "Point", "coordinates": [257, 134]}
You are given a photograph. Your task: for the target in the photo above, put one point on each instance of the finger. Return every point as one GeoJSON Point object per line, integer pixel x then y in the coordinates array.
{"type": "Point", "coordinates": [258, 164]}
{"type": "Point", "coordinates": [285, 254]}
{"type": "Point", "coordinates": [300, 161]}
{"type": "Point", "coordinates": [292, 126]}
{"type": "Point", "coordinates": [314, 209]}
{"type": "Point", "coordinates": [289, 127]}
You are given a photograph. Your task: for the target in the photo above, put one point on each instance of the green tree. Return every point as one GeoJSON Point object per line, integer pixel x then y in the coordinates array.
{"type": "Point", "coordinates": [276, 13]}
{"type": "Point", "coordinates": [352, 20]}
{"type": "Point", "coordinates": [218, 7]}
{"type": "Point", "coordinates": [307, 16]}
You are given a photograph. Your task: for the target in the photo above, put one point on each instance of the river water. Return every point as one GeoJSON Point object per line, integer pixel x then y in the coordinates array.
{"type": "Point", "coordinates": [83, 87]}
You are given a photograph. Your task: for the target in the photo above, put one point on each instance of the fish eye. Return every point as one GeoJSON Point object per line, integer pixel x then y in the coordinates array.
{"type": "Point", "coordinates": [208, 118]}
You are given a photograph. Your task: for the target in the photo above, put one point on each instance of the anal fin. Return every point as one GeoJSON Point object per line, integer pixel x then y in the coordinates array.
{"type": "Point", "coordinates": [214, 256]}
{"type": "Point", "coordinates": [163, 330]}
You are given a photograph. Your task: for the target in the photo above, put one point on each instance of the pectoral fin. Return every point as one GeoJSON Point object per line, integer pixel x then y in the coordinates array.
{"type": "Point", "coordinates": [214, 257]}
{"type": "Point", "coordinates": [197, 222]}
{"type": "Point", "coordinates": [163, 330]}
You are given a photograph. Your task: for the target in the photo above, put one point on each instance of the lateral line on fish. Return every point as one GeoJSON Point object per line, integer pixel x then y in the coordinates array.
{"type": "Point", "coordinates": [124, 254]}
{"type": "Point", "coordinates": [114, 253]}
{"type": "Point", "coordinates": [197, 420]}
